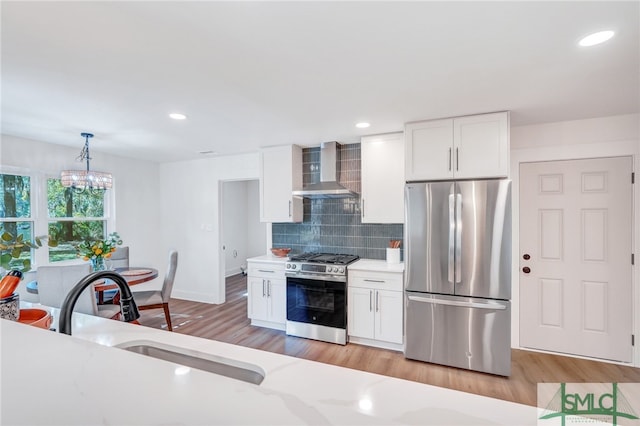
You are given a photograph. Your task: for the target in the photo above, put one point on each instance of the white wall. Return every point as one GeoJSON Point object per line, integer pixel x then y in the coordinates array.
{"type": "Point", "coordinates": [256, 230]}
{"type": "Point", "coordinates": [592, 138]}
{"type": "Point", "coordinates": [191, 218]}
{"type": "Point", "coordinates": [136, 188]}
{"type": "Point", "coordinates": [234, 229]}
{"type": "Point", "coordinates": [243, 234]}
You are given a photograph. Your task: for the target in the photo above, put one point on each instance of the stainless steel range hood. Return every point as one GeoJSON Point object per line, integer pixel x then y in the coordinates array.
{"type": "Point", "coordinates": [328, 187]}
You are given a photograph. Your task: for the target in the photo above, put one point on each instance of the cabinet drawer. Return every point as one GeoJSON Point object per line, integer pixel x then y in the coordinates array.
{"type": "Point", "coordinates": [376, 280]}
{"type": "Point", "coordinates": [266, 269]}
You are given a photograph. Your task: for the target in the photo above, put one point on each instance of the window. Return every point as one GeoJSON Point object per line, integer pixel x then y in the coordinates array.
{"type": "Point", "coordinates": [16, 221]}
{"type": "Point", "coordinates": [73, 217]}
{"type": "Point", "coordinates": [32, 204]}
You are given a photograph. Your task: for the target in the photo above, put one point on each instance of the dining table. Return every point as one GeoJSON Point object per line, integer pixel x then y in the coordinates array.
{"type": "Point", "coordinates": [133, 275]}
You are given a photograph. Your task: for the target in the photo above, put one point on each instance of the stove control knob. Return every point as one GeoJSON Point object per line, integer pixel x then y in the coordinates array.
{"type": "Point", "coordinates": [331, 269]}
{"type": "Point", "coordinates": [288, 266]}
{"type": "Point", "coordinates": [341, 270]}
{"type": "Point", "coordinates": [293, 266]}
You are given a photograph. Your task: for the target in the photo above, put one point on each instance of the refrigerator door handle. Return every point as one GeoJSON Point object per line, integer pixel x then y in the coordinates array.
{"type": "Point", "coordinates": [481, 305]}
{"type": "Point", "coordinates": [458, 253]}
{"type": "Point", "coordinates": [452, 233]}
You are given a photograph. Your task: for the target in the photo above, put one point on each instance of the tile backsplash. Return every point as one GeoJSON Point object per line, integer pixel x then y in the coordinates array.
{"type": "Point", "coordinates": [334, 225]}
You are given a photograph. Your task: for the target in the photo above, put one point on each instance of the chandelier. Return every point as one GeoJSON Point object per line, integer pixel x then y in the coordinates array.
{"type": "Point", "coordinates": [86, 179]}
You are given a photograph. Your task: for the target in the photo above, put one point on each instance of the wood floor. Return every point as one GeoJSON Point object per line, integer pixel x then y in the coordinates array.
{"type": "Point", "coordinates": [228, 323]}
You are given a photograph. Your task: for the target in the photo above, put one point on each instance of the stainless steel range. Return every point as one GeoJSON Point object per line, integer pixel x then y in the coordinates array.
{"type": "Point", "coordinates": [317, 296]}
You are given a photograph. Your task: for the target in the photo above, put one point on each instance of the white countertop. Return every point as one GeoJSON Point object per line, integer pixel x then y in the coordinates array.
{"type": "Point", "coordinates": [53, 379]}
{"type": "Point", "coordinates": [376, 265]}
{"type": "Point", "coordinates": [268, 258]}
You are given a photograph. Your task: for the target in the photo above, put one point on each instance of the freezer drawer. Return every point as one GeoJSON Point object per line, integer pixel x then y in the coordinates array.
{"type": "Point", "coordinates": [460, 332]}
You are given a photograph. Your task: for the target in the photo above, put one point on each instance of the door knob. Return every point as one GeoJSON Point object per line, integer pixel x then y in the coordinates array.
{"type": "Point", "coordinates": [526, 256]}
{"type": "Point", "coordinates": [526, 269]}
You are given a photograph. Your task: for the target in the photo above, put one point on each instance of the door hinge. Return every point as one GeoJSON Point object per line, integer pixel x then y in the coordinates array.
{"type": "Point", "coordinates": [633, 259]}
{"type": "Point", "coordinates": [633, 177]}
{"type": "Point", "coordinates": [633, 340]}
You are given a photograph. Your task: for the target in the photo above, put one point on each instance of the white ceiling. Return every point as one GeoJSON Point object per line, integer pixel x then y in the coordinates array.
{"type": "Point", "coordinates": [253, 74]}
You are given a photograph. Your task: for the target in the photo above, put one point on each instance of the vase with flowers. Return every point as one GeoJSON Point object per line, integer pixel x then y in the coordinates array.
{"type": "Point", "coordinates": [96, 250]}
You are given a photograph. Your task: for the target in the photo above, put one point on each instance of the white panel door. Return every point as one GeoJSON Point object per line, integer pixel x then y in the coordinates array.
{"type": "Point", "coordinates": [428, 150]}
{"type": "Point", "coordinates": [360, 316]}
{"type": "Point", "coordinates": [481, 146]}
{"type": "Point", "coordinates": [389, 316]}
{"type": "Point", "coordinates": [382, 178]}
{"type": "Point", "coordinates": [257, 305]}
{"type": "Point", "coordinates": [575, 257]}
{"type": "Point", "coordinates": [277, 295]}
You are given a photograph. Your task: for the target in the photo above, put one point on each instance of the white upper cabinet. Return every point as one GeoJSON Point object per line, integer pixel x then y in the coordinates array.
{"type": "Point", "coordinates": [280, 174]}
{"type": "Point", "coordinates": [475, 146]}
{"type": "Point", "coordinates": [382, 196]}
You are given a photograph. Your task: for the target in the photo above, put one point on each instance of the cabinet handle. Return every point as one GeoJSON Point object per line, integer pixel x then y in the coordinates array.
{"type": "Point", "coordinates": [457, 160]}
{"type": "Point", "coordinates": [289, 208]}
{"type": "Point", "coordinates": [370, 300]}
{"type": "Point", "coordinates": [263, 291]}
{"type": "Point", "coordinates": [268, 288]}
{"type": "Point", "coordinates": [264, 270]}
{"type": "Point", "coordinates": [449, 159]}
{"type": "Point", "coordinates": [374, 281]}
{"type": "Point", "coordinates": [363, 207]}
{"type": "Point", "coordinates": [377, 301]}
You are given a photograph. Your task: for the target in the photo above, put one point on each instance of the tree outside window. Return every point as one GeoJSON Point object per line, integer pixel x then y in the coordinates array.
{"type": "Point", "coordinates": [73, 217]}
{"type": "Point", "coordinates": [15, 216]}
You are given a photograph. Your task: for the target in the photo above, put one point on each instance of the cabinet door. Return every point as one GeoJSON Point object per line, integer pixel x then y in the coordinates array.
{"type": "Point", "coordinates": [481, 144]}
{"type": "Point", "coordinates": [277, 300]}
{"type": "Point", "coordinates": [360, 312]}
{"type": "Point", "coordinates": [382, 198]}
{"type": "Point", "coordinates": [257, 301]}
{"type": "Point", "coordinates": [280, 174]}
{"type": "Point", "coordinates": [389, 317]}
{"type": "Point", "coordinates": [429, 150]}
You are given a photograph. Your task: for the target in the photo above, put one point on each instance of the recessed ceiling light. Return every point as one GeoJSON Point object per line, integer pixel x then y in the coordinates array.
{"type": "Point", "coordinates": [362, 125]}
{"type": "Point", "coordinates": [177, 116]}
{"type": "Point", "coordinates": [596, 38]}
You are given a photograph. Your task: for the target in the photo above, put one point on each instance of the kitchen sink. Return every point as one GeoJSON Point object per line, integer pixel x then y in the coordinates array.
{"type": "Point", "coordinates": [227, 367]}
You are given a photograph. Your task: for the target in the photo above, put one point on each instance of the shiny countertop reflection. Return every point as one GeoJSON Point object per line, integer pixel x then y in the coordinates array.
{"type": "Point", "coordinates": [53, 379]}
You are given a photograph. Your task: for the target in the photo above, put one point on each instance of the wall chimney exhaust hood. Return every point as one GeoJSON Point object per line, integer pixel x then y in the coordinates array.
{"type": "Point", "coordinates": [328, 187]}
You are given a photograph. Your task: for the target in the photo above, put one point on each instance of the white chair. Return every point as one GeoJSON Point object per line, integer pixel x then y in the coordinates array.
{"type": "Point", "coordinates": [55, 282]}
{"type": "Point", "coordinates": [119, 258]}
{"type": "Point", "coordinates": [154, 299]}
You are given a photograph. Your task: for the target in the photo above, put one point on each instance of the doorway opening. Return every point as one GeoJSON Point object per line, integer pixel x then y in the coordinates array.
{"type": "Point", "coordinates": [242, 234]}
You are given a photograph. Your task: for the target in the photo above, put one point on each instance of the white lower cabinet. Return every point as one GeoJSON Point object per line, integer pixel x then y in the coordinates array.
{"type": "Point", "coordinates": [267, 294]}
{"type": "Point", "coordinates": [375, 308]}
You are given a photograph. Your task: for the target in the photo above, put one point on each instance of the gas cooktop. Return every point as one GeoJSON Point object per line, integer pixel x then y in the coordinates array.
{"type": "Point", "coordinates": [326, 258]}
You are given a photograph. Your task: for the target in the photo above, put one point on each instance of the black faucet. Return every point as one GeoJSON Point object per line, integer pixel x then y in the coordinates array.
{"type": "Point", "coordinates": [127, 304]}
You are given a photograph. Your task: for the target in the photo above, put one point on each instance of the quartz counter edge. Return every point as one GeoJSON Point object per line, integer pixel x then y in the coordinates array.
{"type": "Point", "coordinates": [268, 258]}
{"type": "Point", "coordinates": [375, 265]}
{"type": "Point", "coordinates": [53, 379]}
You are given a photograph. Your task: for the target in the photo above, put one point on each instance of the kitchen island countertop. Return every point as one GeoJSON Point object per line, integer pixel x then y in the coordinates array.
{"type": "Point", "coordinates": [53, 379]}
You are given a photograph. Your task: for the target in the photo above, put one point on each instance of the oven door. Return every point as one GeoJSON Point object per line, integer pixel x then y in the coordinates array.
{"type": "Point", "coordinates": [315, 301]}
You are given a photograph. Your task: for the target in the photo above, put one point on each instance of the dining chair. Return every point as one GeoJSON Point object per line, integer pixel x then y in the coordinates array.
{"type": "Point", "coordinates": [55, 282]}
{"type": "Point", "coordinates": [154, 299]}
{"type": "Point", "coordinates": [119, 258]}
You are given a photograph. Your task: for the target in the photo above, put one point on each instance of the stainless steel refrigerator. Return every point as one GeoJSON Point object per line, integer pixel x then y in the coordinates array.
{"type": "Point", "coordinates": [458, 274]}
